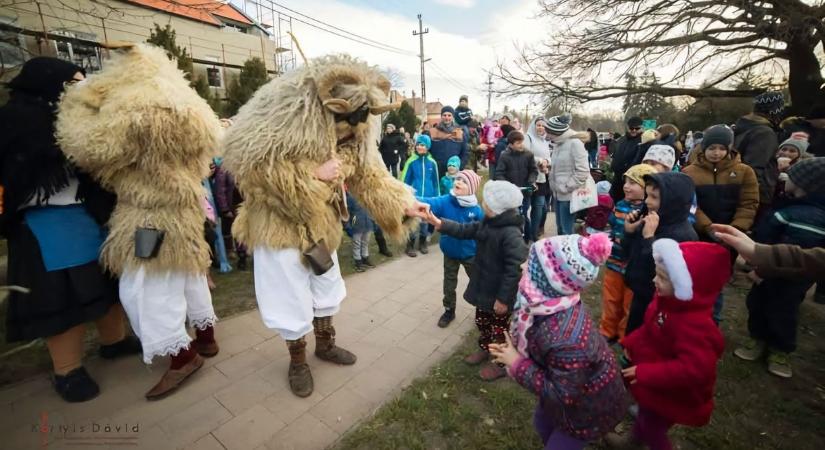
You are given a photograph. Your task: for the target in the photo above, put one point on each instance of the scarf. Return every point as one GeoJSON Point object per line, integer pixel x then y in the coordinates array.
{"type": "Point", "coordinates": [466, 201]}
{"type": "Point", "coordinates": [446, 127]}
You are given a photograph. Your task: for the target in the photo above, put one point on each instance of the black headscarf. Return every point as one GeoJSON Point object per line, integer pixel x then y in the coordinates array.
{"type": "Point", "coordinates": [31, 162]}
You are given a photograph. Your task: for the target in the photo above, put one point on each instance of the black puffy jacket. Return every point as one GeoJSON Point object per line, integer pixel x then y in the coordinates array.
{"type": "Point", "coordinates": [392, 147]}
{"type": "Point", "coordinates": [627, 152]}
{"type": "Point", "coordinates": [500, 252]}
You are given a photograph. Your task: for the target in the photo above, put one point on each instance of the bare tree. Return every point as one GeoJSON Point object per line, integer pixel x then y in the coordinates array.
{"type": "Point", "coordinates": [608, 39]}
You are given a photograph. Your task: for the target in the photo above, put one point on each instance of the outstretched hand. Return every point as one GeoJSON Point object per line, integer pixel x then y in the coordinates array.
{"type": "Point", "coordinates": [505, 353]}
{"type": "Point", "coordinates": [736, 239]}
{"type": "Point", "coordinates": [418, 209]}
{"type": "Point", "coordinates": [329, 171]}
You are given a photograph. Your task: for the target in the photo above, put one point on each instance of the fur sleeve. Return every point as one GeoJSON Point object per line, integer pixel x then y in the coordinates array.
{"type": "Point", "coordinates": [384, 197]}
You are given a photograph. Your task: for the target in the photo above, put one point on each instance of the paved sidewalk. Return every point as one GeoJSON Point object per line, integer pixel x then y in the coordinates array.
{"type": "Point", "coordinates": [240, 399]}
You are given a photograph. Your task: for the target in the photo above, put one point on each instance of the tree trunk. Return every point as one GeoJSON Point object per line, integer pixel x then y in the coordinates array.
{"type": "Point", "coordinates": [805, 80]}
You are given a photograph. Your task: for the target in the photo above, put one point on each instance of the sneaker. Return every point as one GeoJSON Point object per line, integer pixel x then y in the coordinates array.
{"type": "Point", "coordinates": [366, 262]}
{"type": "Point", "coordinates": [446, 318]}
{"type": "Point", "coordinates": [751, 351]}
{"type": "Point", "coordinates": [779, 364]}
{"type": "Point", "coordinates": [476, 358]}
{"type": "Point", "coordinates": [76, 386]}
{"type": "Point", "coordinates": [359, 266]}
{"type": "Point", "coordinates": [492, 372]}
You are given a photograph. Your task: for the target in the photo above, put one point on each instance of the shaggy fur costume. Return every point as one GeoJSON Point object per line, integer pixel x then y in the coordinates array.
{"type": "Point", "coordinates": [141, 130]}
{"type": "Point", "coordinates": [286, 131]}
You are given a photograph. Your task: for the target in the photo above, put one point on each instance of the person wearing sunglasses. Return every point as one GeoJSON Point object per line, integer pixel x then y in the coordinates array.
{"type": "Point", "coordinates": [625, 155]}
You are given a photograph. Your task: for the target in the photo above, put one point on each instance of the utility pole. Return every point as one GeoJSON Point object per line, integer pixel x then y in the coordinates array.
{"type": "Point", "coordinates": [420, 33]}
{"type": "Point", "coordinates": [489, 92]}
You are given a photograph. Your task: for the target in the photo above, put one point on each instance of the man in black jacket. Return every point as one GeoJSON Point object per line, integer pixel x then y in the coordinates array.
{"type": "Point", "coordinates": [756, 141]}
{"type": "Point", "coordinates": [518, 166]}
{"type": "Point", "coordinates": [625, 156]}
{"type": "Point", "coordinates": [392, 146]}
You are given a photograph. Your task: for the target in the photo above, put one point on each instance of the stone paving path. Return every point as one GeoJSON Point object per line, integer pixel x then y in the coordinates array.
{"type": "Point", "coordinates": [240, 398]}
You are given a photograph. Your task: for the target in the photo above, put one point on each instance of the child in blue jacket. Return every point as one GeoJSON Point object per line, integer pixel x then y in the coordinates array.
{"type": "Point", "coordinates": [421, 172]}
{"type": "Point", "coordinates": [453, 166]}
{"type": "Point", "coordinates": [460, 205]}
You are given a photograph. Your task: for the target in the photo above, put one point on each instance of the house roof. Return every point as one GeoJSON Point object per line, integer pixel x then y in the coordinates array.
{"type": "Point", "coordinates": [432, 107]}
{"type": "Point", "coordinates": [206, 11]}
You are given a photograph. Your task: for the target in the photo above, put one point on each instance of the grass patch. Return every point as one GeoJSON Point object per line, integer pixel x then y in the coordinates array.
{"type": "Point", "coordinates": [234, 294]}
{"type": "Point", "coordinates": [754, 410]}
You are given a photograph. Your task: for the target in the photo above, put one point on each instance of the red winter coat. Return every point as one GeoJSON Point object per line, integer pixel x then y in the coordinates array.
{"type": "Point", "coordinates": [677, 348]}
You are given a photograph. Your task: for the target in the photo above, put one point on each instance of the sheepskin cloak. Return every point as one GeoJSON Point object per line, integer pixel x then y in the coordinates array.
{"type": "Point", "coordinates": [145, 134]}
{"type": "Point", "coordinates": [285, 132]}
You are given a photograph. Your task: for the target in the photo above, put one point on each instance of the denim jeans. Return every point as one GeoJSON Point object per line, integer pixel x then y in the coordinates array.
{"type": "Point", "coordinates": [524, 210]}
{"type": "Point", "coordinates": [564, 220]}
{"type": "Point", "coordinates": [538, 209]}
{"type": "Point", "coordinates": [717, 308]}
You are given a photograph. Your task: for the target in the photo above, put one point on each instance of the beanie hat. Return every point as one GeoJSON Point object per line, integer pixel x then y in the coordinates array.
{"type": "Point", "coordinates": [424, 140]}
{"type": "Point", "coordinates": [799, 144]}
{"type": "Point", "coordinates": [217, 161]}
{"type": "Point", "coordinates": [816, 112]}
{"type": "Point", "coordinates": [687, 261]}
{"type": "Point", "coordinates": [770, 103]}
{"type": "Point", "coordinates": [800, 136]}
{"type": "Point", "coordinates": [809, 175]}
{"type": "Point", "coordinates": [448, 109]}
{"type": "Point", "coordinates": [559, 124]}
{"type": "Point", "coordinates": [603, 187]}
{"type": "Point", "coordinates": [454, 161]}
{"type": "Point", "coordinates": [499, 196]}
{"type": "Point", "coordinates": [634, 122]}
{"type": "Point", "coordinates": [463, 97]}
{"type": "Point", "coordinates": [504, 116]}
{"type": "Point", "coordinates": [638, 172]}
{"type": "Point", "coordinates": [663, 154]}
{"type": "Point", "coordinates": [649, 136]}
{"type": "Point", "coordinates": [471, 179]}
{"type": "Point", "coordinates": [558, 268]}
{"type": "Point", "coordinates": [390, 126]}
{"type": "Point", "coordinates": [717, 134]}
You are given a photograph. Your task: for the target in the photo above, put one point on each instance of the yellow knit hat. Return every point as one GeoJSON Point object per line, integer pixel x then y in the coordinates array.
{"type": "Point", "coordinates": [637, 173]}
{"type": "Point", "coordinates": [649, 135]}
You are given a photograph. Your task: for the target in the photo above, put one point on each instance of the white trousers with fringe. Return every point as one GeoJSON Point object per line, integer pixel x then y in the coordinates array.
{"type": "Point", "coordinates": [290, 295]}
{"type": "Point", "coordinates": [158, 305]}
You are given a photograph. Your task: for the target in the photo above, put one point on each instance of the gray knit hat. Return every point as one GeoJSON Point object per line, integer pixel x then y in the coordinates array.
{"type": "Point", "coordinates": [499, 196]}
{"type": "Point", "coordinates": [809, 175]}
{"type": "Point", "coordinates": [717, 134]}
{"type": "Point", "coordinates": [799, 144]}
{"type": "Point", "coordinates": [661, 153]}
{"type": "Point", "coordinates": [559, 124]}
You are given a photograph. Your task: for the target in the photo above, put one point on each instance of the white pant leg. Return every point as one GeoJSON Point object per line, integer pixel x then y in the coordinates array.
{"type": "Point", "coordinates": [282, 288]}
{"type": "Point", "coordinates": [328, 290]}
{"type": "Point", "coordinates": [156, 306]}
{"type": "Point", "coordinates": [199, 301]}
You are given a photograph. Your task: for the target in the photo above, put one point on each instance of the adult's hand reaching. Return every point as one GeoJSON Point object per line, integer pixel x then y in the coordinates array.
{"type": "Point", "coordinates": [329, 171]}
{"type": "Point", "coordinates": [738, 240]}
{"type": "Point", "coordinates": [418, 209]}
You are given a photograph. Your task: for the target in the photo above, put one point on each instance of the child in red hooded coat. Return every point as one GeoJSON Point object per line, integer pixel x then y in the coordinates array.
{"type": "Point", "coordinates": [673, 355]}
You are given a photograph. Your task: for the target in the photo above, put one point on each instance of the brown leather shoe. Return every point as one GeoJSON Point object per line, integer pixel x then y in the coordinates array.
{"type": "Point", "coordinates": [299, 375]}
{"type": "Point", "coordinates": [206, 349]}
{"type": "Point", "coordinates": [325, 347]}
{"type": "Point", "coordinates": [172, 379]}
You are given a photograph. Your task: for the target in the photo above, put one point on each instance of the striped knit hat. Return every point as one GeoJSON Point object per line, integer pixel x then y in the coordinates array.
{"type": "Point", "coordinates": [471, 179]}
{"type": "Point", "coordinates": [771, 103]}
{"type": "Point", "coordinates": [809, 175]}
{"type": "Point", "coordinates": [557, 125]}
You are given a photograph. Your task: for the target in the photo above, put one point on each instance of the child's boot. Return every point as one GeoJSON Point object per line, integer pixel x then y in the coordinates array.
{"type": "Point", "coordinates": [359, 266]}
{"type": "Point", "coordinates": [492, 372]}
{"type": "Point", "coordinates": [422, 245]}
{"type": "Point", "coordinates": [411, 248]}
{"type": "Point", "coordinates": [446, 318]}
{"type": "Point", "coordinates": [382, 244]}
{"type": "Point", "coordinates": [779, 364]}
{"type": "Point", "coordinates": [477, 357]}
{"type": "Point", "coordinates": [751, 351]}
{"type": "Point", "coordinates": [366, 263]}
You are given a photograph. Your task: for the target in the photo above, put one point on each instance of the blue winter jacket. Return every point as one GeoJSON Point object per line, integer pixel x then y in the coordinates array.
{"type": "Point", "coordinates": [421, 172]}
{"type": "Point", "coordinates": [798, 222]}
{"type": "Point", "coordinates": [447, 207]}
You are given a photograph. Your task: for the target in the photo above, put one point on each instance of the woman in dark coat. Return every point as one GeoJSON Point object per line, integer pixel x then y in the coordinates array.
{"type": "Point", "coordinates": [53, 219]}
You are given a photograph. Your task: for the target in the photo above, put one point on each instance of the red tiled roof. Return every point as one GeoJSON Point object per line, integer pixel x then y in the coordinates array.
{"type": "Point", "coordinates": [200, 10]}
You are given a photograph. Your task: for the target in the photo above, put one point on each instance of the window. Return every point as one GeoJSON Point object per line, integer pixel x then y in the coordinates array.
{"type": "Point", "coordinates": [11, 50]}
{"type": "Point", "coordinates": [214, 75]}
{"type": "Point", "coordinates": [85, 55]}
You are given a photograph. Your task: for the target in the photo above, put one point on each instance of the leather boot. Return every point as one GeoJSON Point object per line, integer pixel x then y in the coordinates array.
{"type": "Point", "coordinates": [325, 347]}
{"type": "Point", "coordinates": [300, 377]}
{"type": "Point", "coordinates": [411, 248]}
{"type": "Point", "coordinates": [422, 245]}
{"type": "Point", "coordinates": [176, 375]}
{"type": "Point", "coordinates": [382, 243]}
{"type": "Point", "coordinates": [205, 343]}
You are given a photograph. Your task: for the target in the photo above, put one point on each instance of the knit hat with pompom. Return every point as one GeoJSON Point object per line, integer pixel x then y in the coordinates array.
{"type": "Point", "coordinates": [564, 265]}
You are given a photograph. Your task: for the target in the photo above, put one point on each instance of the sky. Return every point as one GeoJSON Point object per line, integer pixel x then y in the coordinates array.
{"type": "Point", "coordinates": [466, 38]}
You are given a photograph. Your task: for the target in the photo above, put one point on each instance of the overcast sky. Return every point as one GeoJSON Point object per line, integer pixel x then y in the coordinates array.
{"type": "Point", "coordinates": [466, 37]}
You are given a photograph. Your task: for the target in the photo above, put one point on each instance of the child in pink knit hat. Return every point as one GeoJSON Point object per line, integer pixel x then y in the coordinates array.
{"type": "Point", "coordinates": [555, 351]}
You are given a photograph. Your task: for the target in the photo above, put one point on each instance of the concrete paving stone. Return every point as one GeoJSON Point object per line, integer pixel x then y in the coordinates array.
{"type": "Point", "coordinates": [252, 320]}
{"type": "Point", "coordinates": [306, 433]}
{"type": "Point", "coordinates": [420, 344]}
{"type": "Point", "coordinates": [190, 424]}
{"type": "Point", "coordinates": [382, 338]}
{"type": "Point", "coordinates": [374, 385]}
{"type": "Point", "coordinates": [341, 410]}
{"type": "Point", "coordinates": [363, 322]}
{"type": "Point", "coordinates": [207, 442]}
{"type": "Point", "coordinates": [287, 407]}
{"type": "Point", "coordinates": [422, 310]}
{"type": "Point", "coordinates": [22, 389]}
{"type": "Point", "coordinates": [244, 363]}
{"type": "Point", "coordinates": [386, 308]}
{"type": "Point", "coordinates": [252, 428]}
{"type": "Point", "coordinates": [398, 362]}
{"type": "Point", "coordinates": [150, 438]}
{"type": "Point", "coordinates": [451, 343]}
{"type": "Point", "coordinates": [244, 394]}
{"type": "Point", "coordinates": [329, 377]}
{"type": "Point", "coordinates": [402, 324]}
{"type": "Point", "coordinates": [354, 305]}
